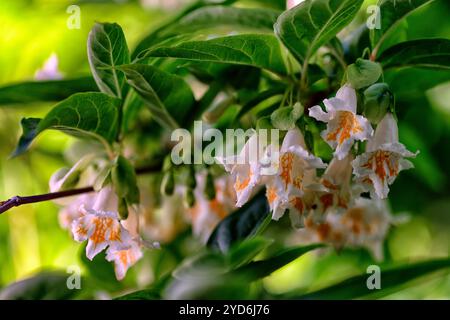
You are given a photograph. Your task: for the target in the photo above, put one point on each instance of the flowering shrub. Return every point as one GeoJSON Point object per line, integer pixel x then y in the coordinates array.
{"type": "Point", "coordinates": [294, 72]}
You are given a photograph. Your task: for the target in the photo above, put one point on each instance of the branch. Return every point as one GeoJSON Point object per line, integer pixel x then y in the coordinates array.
{"type": "Point", "coordinates": [18, 200]}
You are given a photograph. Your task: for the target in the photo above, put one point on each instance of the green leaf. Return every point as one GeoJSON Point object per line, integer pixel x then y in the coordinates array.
{"type": "Point", "coordinates": [43, 91]}
{"type": "Point", "coordinates": [257, 99]}
{"type": "Point", "coordinates": [43, 286]}
{"type": "Point", "coordinates": [423, 53]}
{"type": "Point", "coordinates": [363, 73]}
{"type": "Point", "coordinates": [392, 12]}
{"type": "Point", "coordinates": [107, 49]}
{"type": "Point", "coordinates": [155, 35]}
{"type": "Point", "coordinates": [214, 16]}
{"type": "Point", "coordinates": [256, 50]}
{"type": "Point", "coordinates": [92, 115]}
{"type": "Point", "coordinates": [409, 84]}
{"type": "Point", "coordinates": [124, 179]}
{"type": "Point", "coordinates": [168, 97]}
{"type": "Point", "coordinates": [308, 26]}
{"type": "Point", "coordinates": [242, 224]}
{"type": "Point", "coordinates": [391, 279]}
{"type": "Point", "coordinates": [244, 252]}
{"type": "Point", "coordinates": [261, 269]}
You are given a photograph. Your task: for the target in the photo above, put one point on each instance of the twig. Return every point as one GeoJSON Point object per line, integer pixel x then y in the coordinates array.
{"type": "Point", "coordinates": [18, 200]}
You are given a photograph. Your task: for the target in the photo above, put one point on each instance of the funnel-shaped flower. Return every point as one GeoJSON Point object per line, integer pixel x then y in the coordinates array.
{"type": "Point", "coordinates": [101, 229]}
{"type": "Point", "coordinates": [245, 168]}
{"type": "Point", "coordinates": [207, 213]}
{"type": "Point", "coordinates": [334, 190]}
{"type": "Point", "coordinates": [296, 168]}
{"type": "Point", "coordinates": [344, 125]}
{"type": "Point", "coordinates": [380, 165]}
{"type": "Point", "coordinates": [124, 257]}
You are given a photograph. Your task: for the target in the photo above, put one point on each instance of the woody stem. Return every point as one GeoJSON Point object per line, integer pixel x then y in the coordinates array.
{"type": "Point", "coordinates": [18, 200]}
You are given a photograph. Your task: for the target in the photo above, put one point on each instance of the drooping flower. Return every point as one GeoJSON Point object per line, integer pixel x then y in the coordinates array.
{"type": "Point", "coordinates": [384, 158]}
{"type": "Point", "coordinates": [206, 213]}
{"type": "Point", "coordinates": [334, 189]}
{"type": "Point", "coordinates": [164, 220]}
{"type": "Point", "coordinates": [101, 229]}
{"type": "Point", "coordinates": [50, 69]}
{"type": "Point", "coordinates": [245, 168]}
{"type": "Point", "coordinates": [365, 224]}
{"type": "Point", "coordinates": [344, 125]}
{"type": "Point", "coordinates": [124, 257]}
{"type": "Point", "coordinates": [296, 168]}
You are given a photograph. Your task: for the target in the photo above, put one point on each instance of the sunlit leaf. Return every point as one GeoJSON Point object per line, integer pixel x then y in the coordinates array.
{"type": "Point", "coordinates": [168, 97]}
{"type": "Point", "coordinates": [308, 26]}
{"type": "Point", "coordinates": [91, 115]}
{"type": "Point", "coordinates": [107, 49]}
{"type": "Point", "coordinates": [40, 91]}
{"type": "Point", "coordinates": [260, 269]}
{"type": "Point", "coordinates": [356, 287]}
{"type": "Point", "coordinates": [257, 50]}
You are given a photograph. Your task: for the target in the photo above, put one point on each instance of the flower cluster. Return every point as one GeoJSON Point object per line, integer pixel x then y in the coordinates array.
{"type": "Point", "coordinates": [93, 217]}
{"type": "Point", "coordinates": [329, 207]}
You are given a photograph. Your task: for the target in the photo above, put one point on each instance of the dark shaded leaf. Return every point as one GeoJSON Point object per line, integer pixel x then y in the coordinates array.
{"type": "Point", "coordinates": [423, 53]}
{"type": "Point", "coordinates": [392, 12]}
{"type": "Point", "coordinates": [44, 286]}
{"type": "Point", "coordinates": [242, 224]}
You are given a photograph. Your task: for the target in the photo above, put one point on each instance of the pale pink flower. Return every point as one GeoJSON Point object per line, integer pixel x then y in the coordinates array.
{"type": "Point", "coordinates": [49, 71]}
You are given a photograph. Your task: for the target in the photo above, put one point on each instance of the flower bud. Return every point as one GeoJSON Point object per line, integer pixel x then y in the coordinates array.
{"type": "Point", "coordinates": [123, 209]}
{"type": "Point", "coordinates": [210, 189]}
{"type": "Point", "coordinates": [189, 198]}
{"type": "Point", "coordinates": [377, 101]}
{"type": "Point", "coordinates": [168, 183]}
{"type": "Point", "coordinates": [191, 182]}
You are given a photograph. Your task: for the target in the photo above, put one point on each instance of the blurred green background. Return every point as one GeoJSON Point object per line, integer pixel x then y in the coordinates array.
{"type": "Point", "coordinates": [30, 236]}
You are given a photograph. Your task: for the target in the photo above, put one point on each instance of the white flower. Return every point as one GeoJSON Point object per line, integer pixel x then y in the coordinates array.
{"type": "Point", "coordinates": [206, 214]}
{"type": "Point", "coordinates": [50, 69]}
{"type": "Point", "coordinates": [165, 221]}
{"type": "Point", "coordinates": [101, 229]}
{"type": "Point", "coordinates": [378, 167]}
{"type": "Point", "coordinates": [333, 190]}
{"type": "Point", "coordinates": [365, 224]}
{"type": "Point", "coordinates": [296, 167]}
{"type": "Point", "coordinates": [245, 168]}
{"type": "Point", "coordinates": [344, 125]}
{"type": "Point", "coordinates": [124, 257]}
